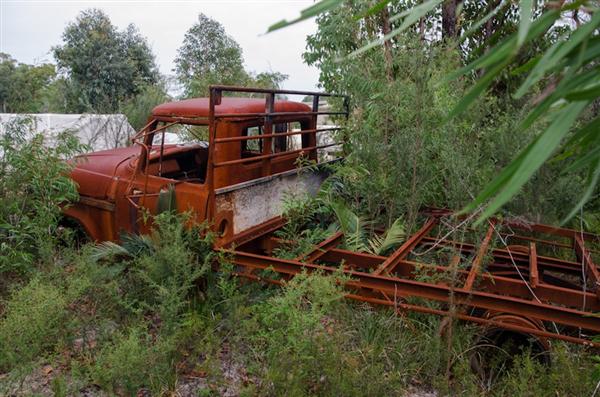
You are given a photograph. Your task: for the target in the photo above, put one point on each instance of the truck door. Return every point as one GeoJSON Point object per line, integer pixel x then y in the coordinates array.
{"type": "Point", "coordinates": [170, 177]}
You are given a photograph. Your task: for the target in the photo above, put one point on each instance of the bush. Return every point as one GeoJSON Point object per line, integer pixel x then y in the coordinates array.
{"type": "Point", "coordinates": [135, 361]}
{"type": "Point", "coordinates": [403, 152]}
{"type": "Point", "coordinates": [152, 285]}
{"type": "Point", "coordinates": [138, 108]}
{"type": "Point", "coordinates": [33, 324]}
{"type": "Point", "coordinates": [161, 272]}
{"type": "Point", "coordinates": [34, 184]}
{"type": "Point", "coordinates": [296, 338]}
{"type": "Point", "coordinates": [570, 374]}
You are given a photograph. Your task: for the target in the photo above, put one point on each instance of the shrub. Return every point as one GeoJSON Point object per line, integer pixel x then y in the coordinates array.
{"type": "Point", "coordinates": [34, 184]}
{"type": "Point", "coordinates": [33, 324]}
{"type": "Point", "coordinates": [402, 151]}
{"type": "Point", "coordinates": [161, 272]}
{"type": "Point", "coordinates": [138, 108]}
{"type": "Point", "coordinates": [296, 338]}
{"type": "Point", "coordinates": [134, 361]}
{"type": "Point", "coordinates": [570, 374]}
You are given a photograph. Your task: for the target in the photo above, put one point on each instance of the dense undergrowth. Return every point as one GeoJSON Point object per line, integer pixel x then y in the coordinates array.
{"type": "Point", "coordinates": [155, 321]}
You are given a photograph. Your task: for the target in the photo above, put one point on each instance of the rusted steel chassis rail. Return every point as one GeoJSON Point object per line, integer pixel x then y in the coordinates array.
{"type": "Point", "coordinates": [542, 308]}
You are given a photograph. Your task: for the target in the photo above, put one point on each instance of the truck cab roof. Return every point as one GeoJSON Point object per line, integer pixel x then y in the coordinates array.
{"type": "Point", "coordinates": [199, 107]}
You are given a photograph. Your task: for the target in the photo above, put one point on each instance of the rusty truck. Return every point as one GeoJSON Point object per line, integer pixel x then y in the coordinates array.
{"type": "Point", "coordinates": [516, 278]}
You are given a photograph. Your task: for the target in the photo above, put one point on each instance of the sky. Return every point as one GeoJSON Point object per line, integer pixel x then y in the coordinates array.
{"type": "Point", "coordinates": [29, 29]}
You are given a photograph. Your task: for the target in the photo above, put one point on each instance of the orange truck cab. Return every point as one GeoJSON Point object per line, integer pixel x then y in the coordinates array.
{"type": "Point", "coordinates": [241, 157]}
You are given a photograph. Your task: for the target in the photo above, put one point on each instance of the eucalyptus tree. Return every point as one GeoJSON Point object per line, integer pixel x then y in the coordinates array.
{"type": "Point", "coordinates": [207, 56]}
{"type": "Point", "coordinates": [103, 66]}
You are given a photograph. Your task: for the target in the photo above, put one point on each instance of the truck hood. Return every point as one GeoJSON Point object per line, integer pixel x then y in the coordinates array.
{"type": "Point", "coordinates": [94, 172]}
{"type": "Point", "coordinates": [105, 162]}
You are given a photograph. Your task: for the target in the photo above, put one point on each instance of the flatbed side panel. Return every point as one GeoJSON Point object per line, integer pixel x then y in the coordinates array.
{"type": "Point", "coordinates": [250, 204]}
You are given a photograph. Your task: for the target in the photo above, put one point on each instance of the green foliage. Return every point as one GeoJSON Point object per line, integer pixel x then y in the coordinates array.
{"type": "Point", "coordinates": [359, 234]}
{"type": "Point", "coordinates": [112, 327]}
{"type": "Point", "coordinates": [568, 375]}
{"type": "Point", "coordinates": [308, 223]}
{"type": "Point", "coordinates": [308, 341]}
{"type": "Point", "coordinates": [209, 55]}
{"type": "Point", "coordinates": [135, 361]}
{"type": "Point", "coordinates": [403, 154]}
{"type": "Point", "coordinates": [569, 57]}
{"type": "Point", "coordinates": [295, 337]}
{"type": "Point", "coordinates": [31, 325]}
{"type": "Point", "coordinates": [34, 184]}
{"type": "Point", "coordinates": [313, 219]}
{"type": "Point", "coordinates": [161, 270]}
{"type": "Point", "coordinates": [7, 70]}
{"type": "Point", "coordinates": [138, 108]}
{"type": "Point", "coordinates": [105, 67]}
{"type": "Point", "coordinates": [114, 310]}
{"type": "Point", "coordinates": [267, 80]}
{"type": "Point", "coordinates": [315, 9]}
{"type": "Point", "coordinates": [566, 68]}
{"type": "Point", "coordinates": [134, 317]}
{"type": "Point", "coordinates": [23, 88]}
{"type": "Point", "coordinates": [417, 13]}
{"type": "Point", "coordinates": [382, 244]}
{"type": "Point", "coordinates": [395, 133]}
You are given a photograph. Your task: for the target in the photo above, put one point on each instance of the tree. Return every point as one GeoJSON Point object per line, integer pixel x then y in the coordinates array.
{"type": "Point", "coordinates": [207, 56]}
{"type": "Point", "coordinates": [23, 87]}
{"type": "Point", "coordinates": [7, 70]}
{"type": "Point", "coordinates": [104, 66]}
{"type": "Point", "coordinates": [449, 21]}
{"type": "Point", "coordinates": [139, 107]}
{"type": "Point", "coordinates": [268, 79]}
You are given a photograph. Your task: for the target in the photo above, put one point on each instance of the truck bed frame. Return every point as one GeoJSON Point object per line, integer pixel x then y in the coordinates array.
{"type": "Point", "coordinates": [511, 287]}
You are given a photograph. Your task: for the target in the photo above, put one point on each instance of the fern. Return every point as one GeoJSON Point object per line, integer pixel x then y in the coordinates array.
{"type": "Point", "coordinates": [379, 244]}
{"type": "Point", "coordinates": [352, 225]}
{"type": "Point", "coordinates": [356, 233]}
{"type": "Point", "coordinates": [132, 245]}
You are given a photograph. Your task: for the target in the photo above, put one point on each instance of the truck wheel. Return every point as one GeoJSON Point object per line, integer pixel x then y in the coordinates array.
{"type": "Point", "coordinates": [71, 233]}
{"type": "Point", "coordinates": [495, 350]}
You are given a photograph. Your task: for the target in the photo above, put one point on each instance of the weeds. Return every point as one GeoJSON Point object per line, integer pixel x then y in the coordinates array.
{"type": "Point", "coordinates": [134, 361]}
{"type": "Point", "coordinates": [33, 324]}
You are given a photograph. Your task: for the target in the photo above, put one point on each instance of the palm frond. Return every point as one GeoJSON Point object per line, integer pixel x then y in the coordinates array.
{"type": "Point", "coordinates": [132, 245]}
{"type": "Point", "coordinates": [380, 244]}
{"type": "Point", "coordinates": [107, 249]}
{"type": "Point", "coordinates": [136, 244]}
{"type": "Point", "coordinates": [352, 225]}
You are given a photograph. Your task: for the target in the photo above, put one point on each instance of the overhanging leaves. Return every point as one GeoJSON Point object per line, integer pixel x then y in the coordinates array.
{"type": "Point", "coordinates": [312, 11]}
{"type": "Point", "coordinates": [522, 168]}
{"type": "Point", "coordinates": [525, 9]}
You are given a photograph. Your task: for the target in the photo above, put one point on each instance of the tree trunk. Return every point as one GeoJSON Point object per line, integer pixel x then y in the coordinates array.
{"type": "Point", "coordinates": [387, 45]}
{"type": "Point", "coordinates": [449, 20]}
